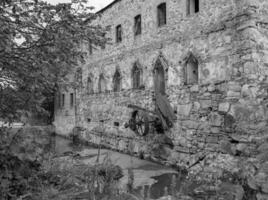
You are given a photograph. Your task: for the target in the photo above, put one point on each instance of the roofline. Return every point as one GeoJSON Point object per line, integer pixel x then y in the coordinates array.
{"type": "Point", "coordinates": [107, 7]}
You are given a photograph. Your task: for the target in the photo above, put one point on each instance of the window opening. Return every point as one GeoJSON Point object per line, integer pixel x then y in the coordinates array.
{"type": "Point", "coordinates": [192, 70]}
{"type": "Point", "coordinates": [71, 99]}
{"type": "Point", "coordinates": [117, 81]}
{"type": "Point", "coordinates": [137, 25]}
{"type": "Point", "coordinates": [63, 100]}
{"type": "Point", "coordinates": [136, 76]}
{"type": "Point", "coordinates": [101, 84]}
{"type": "Point", "coordinates": [192, 6]}
{"type": "Point", "coordinates": [118, 33]}
{"type": "Point", "coordinates": [161, 14]}
{"type": "Point", "coordinates": [159, 78]}
{"type": "Point", "coordinates": [89, 86]}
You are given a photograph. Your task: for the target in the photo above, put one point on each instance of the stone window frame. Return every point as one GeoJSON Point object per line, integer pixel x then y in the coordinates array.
{"type": "Point", "coordinates": [62, 100]}
{"type": "Point", "coordinates": [59, 100]}
{"type": "Point", "coordinates": [118, 34]}
{"type": "Point", "coordinates": [72, 100]}
{"type": "Point", "coordinates": [90, 47]}
{"type": "Point", "coordinates": [138, 67]}
{"type": "Point", "coordinates": [137, 25]}
{"type": "Point", "coordinates": [90, 84]}
{"type": "Point", "coordinates": [117, 80]}
{"type": "Point", "coordinates": [190, 56]}
{"type": "Point", "coordinates": [165, 64]}
{"type": "Point", "coordinates": [102, 78]}
{"type": "Point", "coordinates": [190, 4]}
{"type": "Point", "coordinates": [162, 14]}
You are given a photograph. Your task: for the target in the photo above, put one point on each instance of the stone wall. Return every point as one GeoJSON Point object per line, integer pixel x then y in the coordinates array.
{"type": "Point", "coordinates": [221, 121]}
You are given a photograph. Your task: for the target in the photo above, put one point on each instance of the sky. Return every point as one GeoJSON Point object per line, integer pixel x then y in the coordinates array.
{"type": "Point", "coordinates": [98, 4]}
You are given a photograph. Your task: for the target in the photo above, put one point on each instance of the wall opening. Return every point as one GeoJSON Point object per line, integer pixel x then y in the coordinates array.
{"type": "Point", "coordinates": [102, 84]}
{"type": "Point", "coordinates": [137, 25]}
{"type": "Point", "coordinates": [117, 81]}
{"type": "Point", "coordinates": [89, 86]}
{"type": "Point", "coordinates": [71, 100]}
{"type": "Point", "coordinates": [62, 100]}
{"type": "Point", "coordinates": [136, 76]}
{"type": "Point", "coordinates": [192, 6]}
{"type": "Point", "coordinates": [192, 70]}
{"type": "Point", "coordinates": [159, 78]}
{"type": "Point", "coordinates": [161, 14]}
{"type": "Point", "coordinates": [90, 47]}
{"type": "Point", "coordinates": [118, 34]}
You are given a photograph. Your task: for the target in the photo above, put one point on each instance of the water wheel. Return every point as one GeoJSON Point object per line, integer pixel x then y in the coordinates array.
{"type": "Point", "coordinates": [140, 122]}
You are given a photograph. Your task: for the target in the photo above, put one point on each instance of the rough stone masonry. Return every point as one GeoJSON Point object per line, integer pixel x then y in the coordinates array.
{"type": "Point", "coordinates": [210, 57]}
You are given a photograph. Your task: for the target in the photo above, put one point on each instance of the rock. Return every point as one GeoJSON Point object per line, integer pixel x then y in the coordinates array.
{"type": "Point", "coordinates": [194, 88]}
{"type": "Point", "coordinates": [235, 190]}
{"type": "Point", "coordinates": [211, 88]}
{"type": "Point", "coordinates": [263, 148]}
{"type": "Point", "coordinates": [262, 196]}
{"type": "Point", "coordinates": [224, 107]}
{"type": "Point", "coordinates": [231, 94]}
{"type": "Point", "coordinates": [205, 103]}
{"type": "Point", "coordinates": [184, 110]}
{"type": "Point", "coordinates": [215, 119]}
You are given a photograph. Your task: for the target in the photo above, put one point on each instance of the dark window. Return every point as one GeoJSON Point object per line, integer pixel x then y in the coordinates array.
{"type": "Point", "coordinates": [117, 81]}
{"type": "Point", "coordinates": [89, 86]}
{"type": "Point", "coordinates": [102, 84]}
{"type": "Point", "coordinates": [62, 100]}
{"type": "Point", "coordinates": [161, 14]}
{"type": "Point", "coordinates": [59, 100]}
{"type": "Point", "coordinates": [119, 33]}
{"type": "Point", "coordinates": [136, 76]}
{"type": "Point", "coordinates": [137, 25]}
{"type": "Point", "coordinates": [90, 47]}
{"type": "Point", "coordinates": [192, 70]}
{"type": "Point", "coordinates": [192, 6]}
{"type": "Point", "coordinates": [72, 99]}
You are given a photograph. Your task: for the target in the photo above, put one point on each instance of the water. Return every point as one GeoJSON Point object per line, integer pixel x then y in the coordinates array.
{"type": "Point", "coordinates": [150, 179]}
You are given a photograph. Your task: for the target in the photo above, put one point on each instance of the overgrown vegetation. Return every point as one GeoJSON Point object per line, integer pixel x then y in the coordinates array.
{"type": "Point", "coordinates": [40, 44]}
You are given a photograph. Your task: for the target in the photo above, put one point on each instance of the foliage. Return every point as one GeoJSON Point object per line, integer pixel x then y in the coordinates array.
{"type": "Point", "coordinates": [40, 44]}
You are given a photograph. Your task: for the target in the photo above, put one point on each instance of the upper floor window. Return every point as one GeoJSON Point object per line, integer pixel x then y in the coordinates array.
{"type": "Point", "coordinates": [71, 100]}
{"type": "Point", "coordinates": [136, 76]}
{"type": "Point", "coordinates": [117, 81]}
{"type": "Point", "coordinates": [118, 33]}
{"type": "Point", "coordinates": [161, 14]}
{"type": "Point", "coordinates": [192, 6]}
{"type": "Point", "coordinates": [137, 25]}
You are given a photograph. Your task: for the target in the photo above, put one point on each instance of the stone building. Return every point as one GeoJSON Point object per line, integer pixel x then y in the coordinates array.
{"type": "Point", "coordinates": [210, 59]}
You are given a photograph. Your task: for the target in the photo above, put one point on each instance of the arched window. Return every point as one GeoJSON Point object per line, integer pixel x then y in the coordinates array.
{"type": "Point", "coordinates": [161, 14]}
{"type": "Point", "coordinates": [102, 84]}
{"type": "Point", "coordinates": [191, 70]}
{"type": "Point", "coordinates": [89, 86]}
{"type": "Point", "coordinates": [117, 81]}
{"type": "Point", "coordinates": [159, 78]}
{"type": "Point", "coordinates": [136, 76]}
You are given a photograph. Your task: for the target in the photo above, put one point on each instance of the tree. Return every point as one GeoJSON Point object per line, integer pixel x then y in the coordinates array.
{"type": "Point", "coordinates": [39, 46]}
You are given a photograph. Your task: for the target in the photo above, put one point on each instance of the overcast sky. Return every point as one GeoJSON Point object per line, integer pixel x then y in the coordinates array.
{"type": "Point", "coordinates": [98, 4]}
